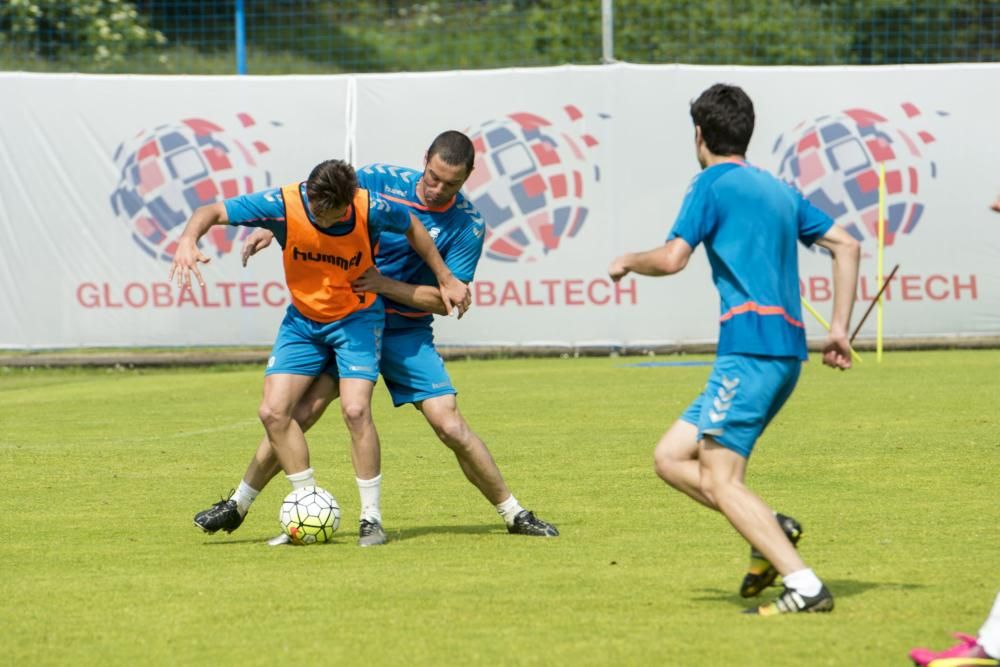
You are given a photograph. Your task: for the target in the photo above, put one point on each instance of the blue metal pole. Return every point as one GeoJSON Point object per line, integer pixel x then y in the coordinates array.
{"type": "Point", "coordinates": [241, 39]}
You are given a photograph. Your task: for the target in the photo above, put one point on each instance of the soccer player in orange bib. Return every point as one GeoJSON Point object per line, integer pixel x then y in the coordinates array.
{"type": "Point", "coordinates": [328, 229]}
{"type": "Point", "coordinates": [413, 371]}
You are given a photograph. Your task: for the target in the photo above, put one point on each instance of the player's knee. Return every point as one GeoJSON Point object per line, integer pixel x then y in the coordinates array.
{"type": "Point", "coordinates": [355, 412]}
{"type": "Point", "coordinates": [452, 431]}
{"type": "Point", "coordinates": [662, 465]}
{"type": "Point", "coordinates": [665, 463]}
{"type": "Point", "coordinates": [272, 417]}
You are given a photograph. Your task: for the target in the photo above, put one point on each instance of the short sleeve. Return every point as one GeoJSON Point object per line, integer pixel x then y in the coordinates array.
{"type": "Point", "coordinates": [697, 217]}
{"type": "Point", "coordinates": [256, 209]}
{"type": "Point", "coordinates": [259, 209]}
{"type": "Point", "coordinates": [462, 257]}
{"type": "Point", "coordinates": [813, 223]}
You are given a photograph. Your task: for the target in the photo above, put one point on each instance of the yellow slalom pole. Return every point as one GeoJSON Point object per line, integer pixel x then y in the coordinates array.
{"type": "Point", "coordinates": [826, 325]}
{"type": "Point", "coordinates": [881, 257]}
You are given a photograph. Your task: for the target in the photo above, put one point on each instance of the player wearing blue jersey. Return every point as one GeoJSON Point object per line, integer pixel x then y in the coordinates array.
{"type": "Point", "coordinates": [411, 366]}
{"type": "Point", "coordinates": [327, 228]}
{"type": "Point", "coordinates": [749, 223]}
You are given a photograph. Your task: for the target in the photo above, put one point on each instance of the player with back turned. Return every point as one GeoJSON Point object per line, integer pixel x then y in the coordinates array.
{"type": "Point", "coordinates": [749, 222]}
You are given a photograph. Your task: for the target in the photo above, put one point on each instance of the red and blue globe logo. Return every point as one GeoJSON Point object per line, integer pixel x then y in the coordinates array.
{"type": "Point", "coordinates": [531, 182]}
{"type": "Point", "coordinates": [834, 161]}
{"type": "Point", "coordinates": [169, 171]}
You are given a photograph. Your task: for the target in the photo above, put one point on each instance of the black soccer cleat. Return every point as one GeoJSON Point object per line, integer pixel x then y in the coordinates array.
{"type": "Point", "coordinates": [793, 602]}
{"type": "Point", "coordinates": [526, 523]}
{"type": "Point", "coordinates": [761, 573]}
{"type": "Point", "coordinates": [223, 515]}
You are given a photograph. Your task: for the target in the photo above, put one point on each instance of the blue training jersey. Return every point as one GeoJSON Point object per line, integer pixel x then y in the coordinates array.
{"type": "Point", "coordinates": [749, 222]}
{"type": "Point", "coordinates": [457, 229]}
{"type": "Point", "coordinates": [267, 209]}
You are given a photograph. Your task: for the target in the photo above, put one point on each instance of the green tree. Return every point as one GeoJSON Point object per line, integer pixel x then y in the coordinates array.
{"type": "Point", "coordinates": [314, 36]}
{"type": "Point", "coordinates": [900, 31]}
{"type": "Point", "coordinates": [97, 33]}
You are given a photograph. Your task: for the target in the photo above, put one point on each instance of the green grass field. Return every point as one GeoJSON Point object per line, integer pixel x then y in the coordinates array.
{"type": "Point", "coordinates": [892, 469]}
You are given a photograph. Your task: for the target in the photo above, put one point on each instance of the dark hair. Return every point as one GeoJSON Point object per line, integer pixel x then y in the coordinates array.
{"type": "Point", "coordinates": [725, 115]}
{"type": "Point", "coordinates": [331, 184]}
{"type": "Point", "coordinates": [454, 148]}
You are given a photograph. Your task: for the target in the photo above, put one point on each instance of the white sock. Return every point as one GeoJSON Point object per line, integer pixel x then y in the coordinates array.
{"type": "Point", "coordinates": [244, 497]}
{"type": "Point", "coordinates": [509, 509]}
{"type": "Point", "coordinates": [370, 491]}
{"type": "Point", "coordinates": [804, 581]}
{"type": "Point", "coordinates": [302, 479]}
{"type": "Point", "coordinates": [989, 634]}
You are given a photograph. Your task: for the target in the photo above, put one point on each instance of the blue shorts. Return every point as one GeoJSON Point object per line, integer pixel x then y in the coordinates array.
{"type": "Point", "coordinates": [411, 366]}
{"type": "Point", "coordinates": [304, 347]}
{"type": "Point", "coordinates": [742, 396]}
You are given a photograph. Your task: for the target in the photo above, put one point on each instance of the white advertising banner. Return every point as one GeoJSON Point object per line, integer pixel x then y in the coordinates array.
{"type": "Point", "coordinates": [101, 173]}
{"type": "Point", "coordinates": [579, 164]}
{"type": "Point", "coordinates": [574, 165]}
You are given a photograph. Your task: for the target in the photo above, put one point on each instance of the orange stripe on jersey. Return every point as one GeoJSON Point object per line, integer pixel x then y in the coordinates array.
{"type": "Point", "coordinates": [751, 307]}
{"type": "Point", "coordinates": [319, 268]}
{"type": "Point", "coordinates": [418, 205]}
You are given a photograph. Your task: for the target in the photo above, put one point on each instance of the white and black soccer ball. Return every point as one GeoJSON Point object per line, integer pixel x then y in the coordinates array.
{"type": "Point", "coordinates": [309, 515]}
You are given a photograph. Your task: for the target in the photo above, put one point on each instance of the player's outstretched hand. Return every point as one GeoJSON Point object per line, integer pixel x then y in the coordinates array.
{"type": "Point", "coordinates": [837, 351]}
{"type": "Point", "coordinates": [617, 269]}
{"type": "Point", "coordinates": [996, 205]}
{"type": "Point", "coordinates": [260, 239]}
{"type": "Point", "coordinates": [186, 260]}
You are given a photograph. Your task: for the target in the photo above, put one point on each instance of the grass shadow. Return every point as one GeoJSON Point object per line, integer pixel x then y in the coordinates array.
{"type": "Point", "coordinates": [841, 588]}
{"type": "Point", "coordinates": [257, 539]}
{"type": "Point", "coordinates": [420, 531]}
{"type": "Point", "coordinates": [395, 535]}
